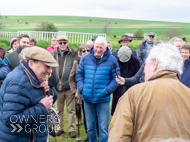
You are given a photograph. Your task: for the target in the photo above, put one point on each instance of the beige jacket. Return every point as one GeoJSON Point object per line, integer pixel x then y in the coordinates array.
{"type": "Point", "coordinates": [72, 81]}
{"type": "Point", "coordinates": [153, 111]}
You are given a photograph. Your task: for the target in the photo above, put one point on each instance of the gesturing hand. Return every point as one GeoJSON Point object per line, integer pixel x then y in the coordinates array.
{"type": "Point", "coordinates": [47, 102]}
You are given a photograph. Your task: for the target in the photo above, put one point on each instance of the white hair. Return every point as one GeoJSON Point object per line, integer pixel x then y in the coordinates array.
{"type": "Point", "coordinates": [178, 40]}
{"type": "Point", "coordinates": [168, 57]}
{"type": "Point", "coordinates": [101, 39]}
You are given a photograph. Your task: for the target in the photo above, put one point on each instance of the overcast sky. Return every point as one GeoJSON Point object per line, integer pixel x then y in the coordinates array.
{"type": "Point", "coordinates": [154, 10]}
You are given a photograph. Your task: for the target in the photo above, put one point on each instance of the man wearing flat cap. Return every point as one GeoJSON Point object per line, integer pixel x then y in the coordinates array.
{"type": "Point", "coordinates": [124, 41]}
{"type": "Point", "coordinates": [65, 56]}
{"type": "Point", "coordinates": [24, 104]}
{"type": "Point", "coordinates": [145, 47]}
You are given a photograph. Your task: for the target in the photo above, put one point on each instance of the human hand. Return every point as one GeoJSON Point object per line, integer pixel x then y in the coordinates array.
{"type": "Point", "coordinates": [45, 85]}
{"type": "Point", "coordinates": [47, 102]}
{"type": "Point", "coordinates": [76, 95]}
{"type": "Point", "coordinates": [120, 80]}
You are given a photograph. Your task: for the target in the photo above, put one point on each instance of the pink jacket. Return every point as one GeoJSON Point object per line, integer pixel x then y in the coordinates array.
{"type": "Point", "coordinates": [51, 48]}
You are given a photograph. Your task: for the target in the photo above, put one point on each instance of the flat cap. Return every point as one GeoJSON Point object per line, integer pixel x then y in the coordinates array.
{"type": "Point", "coordinates": [124, 54]}
{"type": "Point", "coordinates": [62, 37]}
{"type": "Point", "coordinates": [151, 34]}
{"type": "Point", "coordinates": [40, 54]}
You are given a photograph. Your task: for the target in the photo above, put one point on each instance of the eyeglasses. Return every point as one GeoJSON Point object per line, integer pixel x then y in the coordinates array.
{"type": "Point", "coordinates": [85, 51]}
{"type": "Point", "coordinates": [62, 43]}
{"type": "Point", "coordinates": [151, 36]}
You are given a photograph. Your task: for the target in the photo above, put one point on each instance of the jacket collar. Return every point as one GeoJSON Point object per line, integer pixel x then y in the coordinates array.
{"type": "Point", "coordinates": [187, 61]}
{"type": "Point", "coordinates": [105, 55]}
{"type": "Point", "coordinates": [31, 75]}
{"type": "Point", "coordinates": [166, 74]}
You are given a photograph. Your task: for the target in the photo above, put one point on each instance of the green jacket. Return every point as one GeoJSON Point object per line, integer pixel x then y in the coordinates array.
{"type": "Point", "coordinates": [13, 58]}
{"type": "Point", "coordinates": [62, 72]}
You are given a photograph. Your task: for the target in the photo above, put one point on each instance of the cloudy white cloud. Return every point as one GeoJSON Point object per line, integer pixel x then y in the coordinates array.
{"type": "Point", "coordinates": [156, 10]}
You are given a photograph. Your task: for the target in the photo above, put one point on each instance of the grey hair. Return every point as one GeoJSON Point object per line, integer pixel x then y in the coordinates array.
{"type": "Point", "coordinates": [178, 40]}
{"type": "Point", "coordinates": [22, 55]}
{"type": "Point", "coordinates": [168, 57]}
{"type": "Point", "coordinates": [101, 39]}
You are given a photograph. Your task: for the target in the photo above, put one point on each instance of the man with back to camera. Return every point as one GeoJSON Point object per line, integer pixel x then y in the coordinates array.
{"type": "Point", "coordinates": [12, 59]}
{"type": "Point", "coordinates": [96, 81]}
{"type": "Point", "coordinates": [158, 109]}
{"type": "Point", "coordinates": [24, 104]}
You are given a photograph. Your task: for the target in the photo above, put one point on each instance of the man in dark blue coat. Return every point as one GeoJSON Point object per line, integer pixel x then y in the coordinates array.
{"type": "Point", "coordinates": [185, 76]}
{"type": "Point", "coordinates": [23, 102]}
{"type": "Point", "coordinates": [96, 81]}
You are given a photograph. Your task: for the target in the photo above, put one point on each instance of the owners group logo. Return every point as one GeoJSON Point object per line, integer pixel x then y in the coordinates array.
{"type": "Point", "coordinates": [28, 123]}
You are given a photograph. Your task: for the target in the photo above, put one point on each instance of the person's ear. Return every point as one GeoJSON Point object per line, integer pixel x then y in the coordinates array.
{"type": "Point", "coordinates": [155, 65]}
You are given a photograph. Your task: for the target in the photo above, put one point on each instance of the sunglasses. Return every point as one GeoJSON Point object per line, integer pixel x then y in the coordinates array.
{"type": "Point", "coordinates": [85, 51]}
{"type": "Point", "coordinates": [62, 43]}
{"type": "Point", "coordinates": [151, 36]}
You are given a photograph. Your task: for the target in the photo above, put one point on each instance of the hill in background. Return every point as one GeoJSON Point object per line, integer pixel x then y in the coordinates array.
{"type": "Point", "coordinates": [91, 24]}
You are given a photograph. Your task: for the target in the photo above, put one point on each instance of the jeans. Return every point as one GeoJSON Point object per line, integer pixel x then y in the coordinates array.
{"type": "Point", "coordinates": [93, 112]}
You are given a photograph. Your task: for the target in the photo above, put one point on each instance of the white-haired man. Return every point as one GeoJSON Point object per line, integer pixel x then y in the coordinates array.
{"type": "Point", "coordinates": [157, 109]}
{"type": "Point", "coordinates": [178, 43]}
{"type": "Point", "coordinates": [96, 81]}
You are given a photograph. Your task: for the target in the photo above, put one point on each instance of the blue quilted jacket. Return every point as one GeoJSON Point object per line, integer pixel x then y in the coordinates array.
{"type": "Point", "coordinates": [97, 82]}
{"type": "Point", "coordinates": [22, 117]}
{"type": "Point", "coordinates": [4, 70]}
{"type": "Point", "coordinates": [185, 77]}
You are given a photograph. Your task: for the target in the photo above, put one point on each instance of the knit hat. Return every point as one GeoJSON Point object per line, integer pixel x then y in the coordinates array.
{"type": "Point", "coordinates": [124, 54]}
{"type": "Point", "coordinates": [12, 41]}
{"type": "Point", "coordinates": [40, 54]}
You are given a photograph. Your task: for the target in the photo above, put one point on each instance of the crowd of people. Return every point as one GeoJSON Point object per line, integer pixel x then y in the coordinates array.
{"type": "Point", "coordinates": [150, 89]}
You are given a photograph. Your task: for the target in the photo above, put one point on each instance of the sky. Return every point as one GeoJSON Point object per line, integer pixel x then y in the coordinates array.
{"type": "Point", "coordinates": [155, 10]}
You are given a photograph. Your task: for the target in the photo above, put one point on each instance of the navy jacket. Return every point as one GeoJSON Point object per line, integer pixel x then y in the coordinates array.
{"type": "Point", "coordinates": [19, 107]}
{"type": "Point", "coordinates": [97, 82]}
{"type": "Point", "coordinates": [127, 69]}
{"type": "Point", "coordinates": [185, 77]}
{"type": "Point", "coordinates": [4, 70]}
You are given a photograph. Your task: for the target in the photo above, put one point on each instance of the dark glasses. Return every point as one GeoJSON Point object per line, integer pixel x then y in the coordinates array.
{"type": "Point", "coordinates": [85, 51]}
{"type": "Point", "coordinates": [151, 36]}
{"type": "Point", "coordinates": [62, 43]}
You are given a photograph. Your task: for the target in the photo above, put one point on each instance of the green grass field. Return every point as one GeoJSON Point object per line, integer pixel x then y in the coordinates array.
{"type": "Point", "coordinates": [91, 24]}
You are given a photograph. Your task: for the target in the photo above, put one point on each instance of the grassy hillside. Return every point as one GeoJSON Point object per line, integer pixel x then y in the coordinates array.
{"type": "Point", "coordinates": [91, 24]}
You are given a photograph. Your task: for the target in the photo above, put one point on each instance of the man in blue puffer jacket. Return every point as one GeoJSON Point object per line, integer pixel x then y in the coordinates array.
{"type": "Point", "coordinates": [96, 81]}
{"type": "Point", "coordinates": [23, 102]}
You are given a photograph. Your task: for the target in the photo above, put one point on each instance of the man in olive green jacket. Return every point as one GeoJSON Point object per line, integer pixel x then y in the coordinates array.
{"type": "Point", "coordinates": [65, 56]}
{"type": "Point", "coordinates": [157, 110]}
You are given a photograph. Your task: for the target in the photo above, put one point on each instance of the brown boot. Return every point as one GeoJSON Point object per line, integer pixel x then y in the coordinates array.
{"type": "Point", "coordinates": [59, 132]}
{"type": "Point", "coordinates": [72, 134]}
